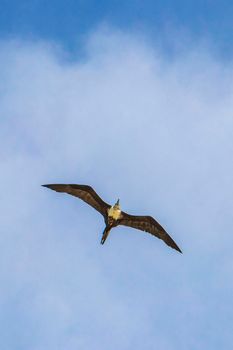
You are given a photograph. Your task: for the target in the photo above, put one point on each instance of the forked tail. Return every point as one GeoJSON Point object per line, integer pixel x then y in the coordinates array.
{"type": "Point", "coordinates": [105, 234]}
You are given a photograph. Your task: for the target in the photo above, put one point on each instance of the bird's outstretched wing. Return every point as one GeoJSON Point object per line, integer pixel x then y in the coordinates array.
{"type": "Point", "coordinates": [86, 193]}
{"type": "Point", "coordinates": [148, 224]}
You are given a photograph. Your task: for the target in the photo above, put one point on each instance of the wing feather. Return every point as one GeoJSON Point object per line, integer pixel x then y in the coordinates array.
{"type": "Point", "coordinates": [84, 192]}
{"type": "Point", "coordinates": [150, 225]}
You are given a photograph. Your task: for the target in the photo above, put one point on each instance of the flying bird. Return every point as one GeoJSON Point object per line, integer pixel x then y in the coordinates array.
{"type": "Point", "coordinates": [113, 215]}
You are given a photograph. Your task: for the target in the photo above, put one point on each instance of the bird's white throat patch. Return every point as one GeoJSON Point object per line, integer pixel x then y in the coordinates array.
{"type": "Point", "coordinates": [114, 212]}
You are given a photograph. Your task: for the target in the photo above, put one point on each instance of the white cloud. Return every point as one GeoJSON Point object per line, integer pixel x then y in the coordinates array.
{"type": "Point", "coordinates": [154, 132]}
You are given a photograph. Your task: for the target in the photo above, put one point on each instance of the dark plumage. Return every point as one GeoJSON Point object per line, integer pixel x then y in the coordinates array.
{"type": "Point", "coordinates": [113, 216]}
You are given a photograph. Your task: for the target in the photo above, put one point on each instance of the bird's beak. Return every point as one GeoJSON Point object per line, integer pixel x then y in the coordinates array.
{"type": "Point", "coordinates": [118, 202]}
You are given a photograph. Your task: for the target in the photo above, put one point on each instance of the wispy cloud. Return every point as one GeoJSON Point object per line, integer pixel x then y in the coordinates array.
{"type": "Point", "coordinates": [134, 125]}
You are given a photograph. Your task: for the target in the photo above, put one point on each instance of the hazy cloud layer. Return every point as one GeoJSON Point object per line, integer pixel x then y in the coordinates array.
{"type": "Point", "coordinates": [156, 133]}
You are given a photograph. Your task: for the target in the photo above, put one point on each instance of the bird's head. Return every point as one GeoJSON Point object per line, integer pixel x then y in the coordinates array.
{"type": "Point", "coordinates": [117, 204]}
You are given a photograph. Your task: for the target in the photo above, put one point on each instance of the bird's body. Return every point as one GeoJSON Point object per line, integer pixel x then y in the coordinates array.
{"type": "Point", "coordinates": [114, 212]}
{"type": "Point", "coordinates": [113, 215]}
{"type": "Point", "coordinates": [111, 220]}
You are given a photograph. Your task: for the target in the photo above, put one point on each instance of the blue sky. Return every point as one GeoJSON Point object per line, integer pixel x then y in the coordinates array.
{"type": "Point", "coordinates": [68, 21]}
{"type": "Point", "coordinates": [139, 123]}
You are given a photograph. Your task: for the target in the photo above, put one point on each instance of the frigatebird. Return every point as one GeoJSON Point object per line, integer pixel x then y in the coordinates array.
{"type": "Point", "coordinates": [113, 215]}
